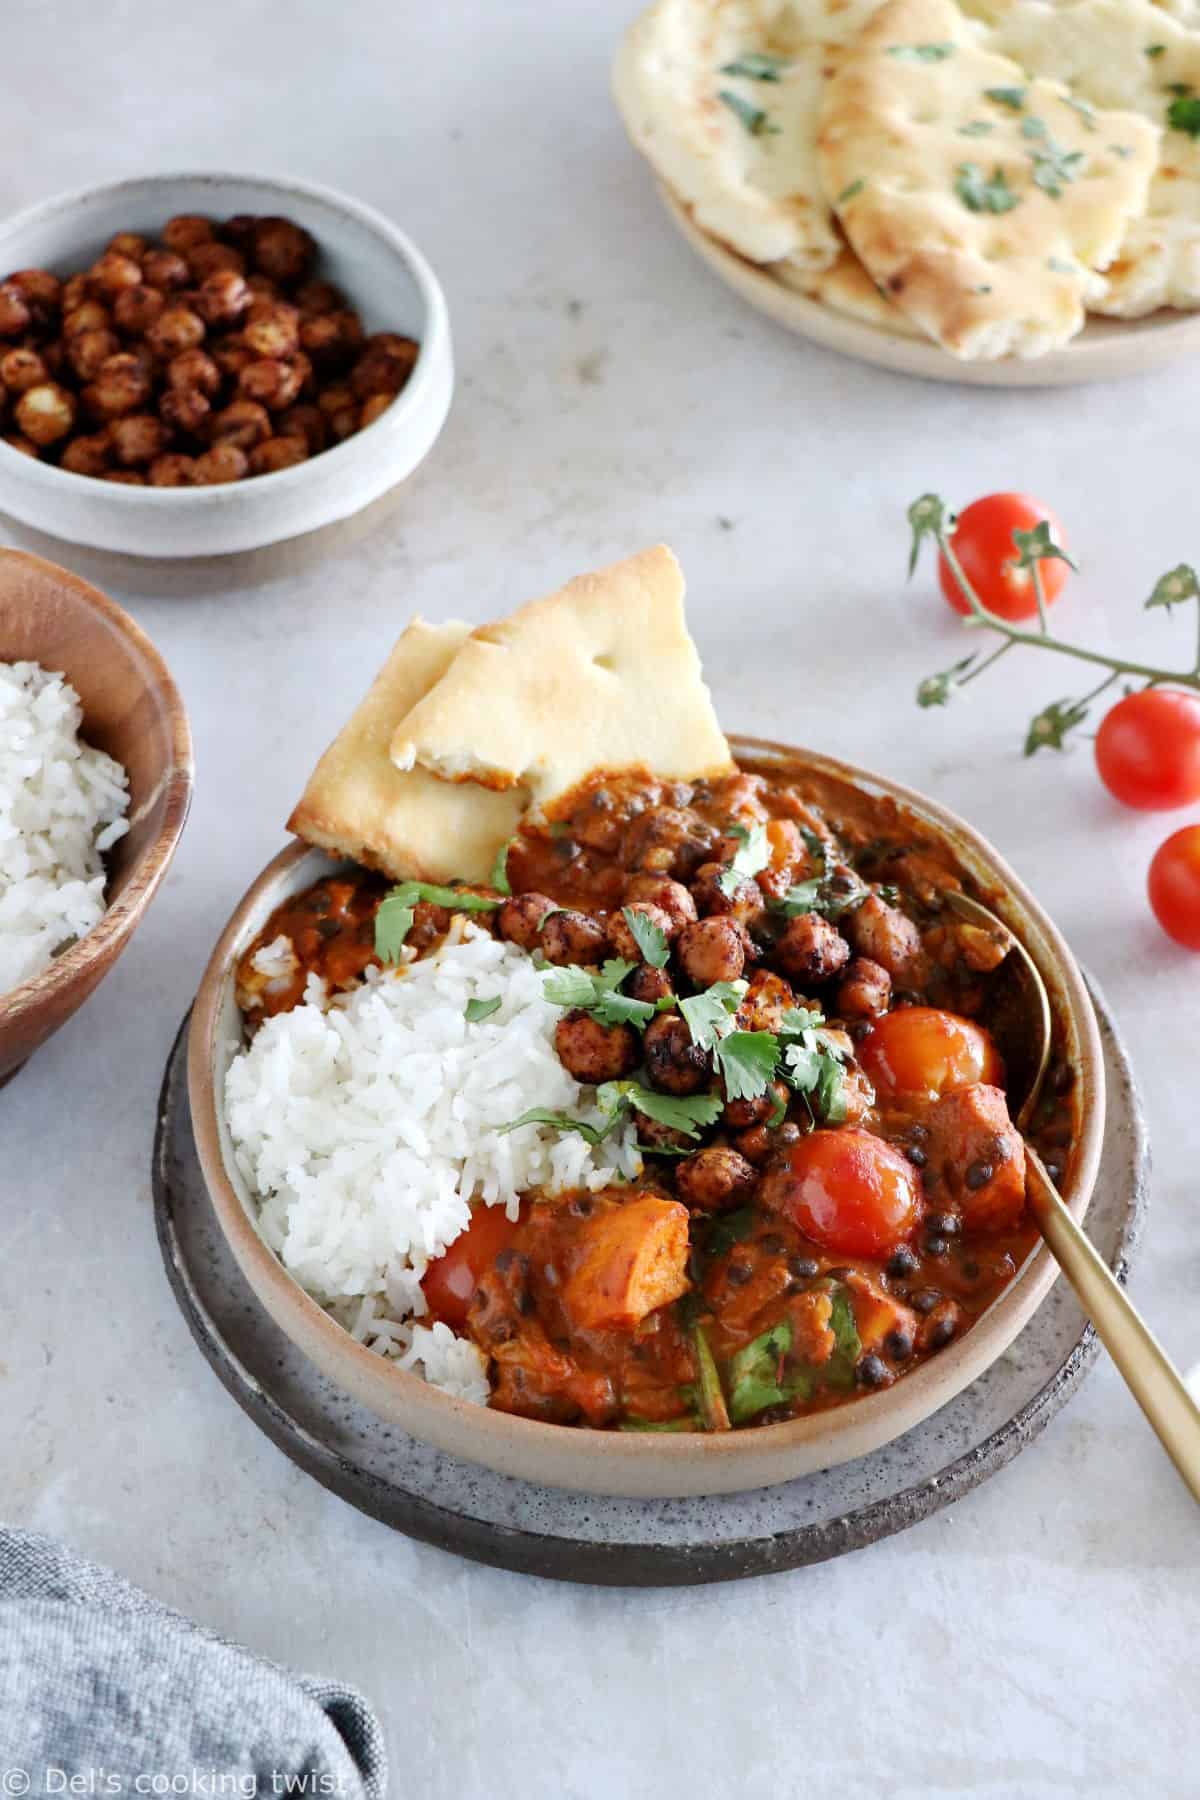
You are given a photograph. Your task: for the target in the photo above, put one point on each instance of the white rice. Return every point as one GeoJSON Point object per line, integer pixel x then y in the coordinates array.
{"type": "Point", "coordinates": [62, 805]}
{"type": "Point", "coordinates": [365, 1123]}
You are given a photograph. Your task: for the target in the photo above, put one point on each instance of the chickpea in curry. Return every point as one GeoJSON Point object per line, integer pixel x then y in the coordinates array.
{"type": "Point", "coordinates": [766, 979]}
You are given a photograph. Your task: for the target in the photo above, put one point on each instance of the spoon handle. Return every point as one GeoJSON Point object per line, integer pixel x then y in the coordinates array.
{"type": "Point", "coordinates": [1149, 1373]}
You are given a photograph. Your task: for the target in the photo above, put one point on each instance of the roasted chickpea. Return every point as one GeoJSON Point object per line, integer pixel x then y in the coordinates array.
{"type": "Point", "coordinates": [620, 931]}
{"type": "Point", "coordinates": [669, 896]}
{"type": "Point", "coordinates": [383, 368]}
{"type": "Point", "coordinates": [238, 231]}
{"type": "Point", "coordinates": [282, 250]}
{"type": "Point", "coordinates": [224, 297]}
{"type": "Point", "coordinates": [573, 937]}
{"type": "Point", "coordinates": [811, 949]}
{"type": "Point", "coordinates": [319, 297]}
{"type": "Point", "coordinates": [277, 453]}
{"type": "Point", "coordinates": [262, 287]}
{"type": "Point", "coordinates": [714, 1179]}
{"type": "Point", "coordinates": [165, 270]}
{"type": "Point", "coordinates": [42, 293]}
{"type": "Point", "coordinates": [740, 1114]}
{"type": "Point", "coordinates": [128, 243]}
{"type": "Point", "coordinates": [674, 1063]}
{"type": "Point", "coordinates": [16, 442]}
{"type": "Point", "coordinates": [272, 328]}
{"type": "Point", "coordinates": [15, 316]}
{"type": "Point", "coordinates": [712, 950]}
{"type": "Point", "coordinates": [76, 289]}
{"type": "Point", "coordinates": [88, 455]}
{"type": "Point", "coordinates": [176, 328]}
{"type": "Point", "coordinates": [331, 339]}
{"type": "Point", "coordinates": [307, 422]}
{"type": "Point", "coordinates": [593, 1052]}
{"type": "Point", "coordinates": [173, 470]}
{"type": "Point", "coordinates": [204, 260]}
{"type": "Point", "coordinates": [194, 370]}
{"type": "Point", "coordinates": [90, 316]}
{"type": "Point", "coordinates": [21, 369]}
{"type": "Point", "coordinates": [185, 231]}
{"type": "Point", "coordinates": [88, 351]}
{"type": "Point", "coordinates": [865, 989]}
{"type": "Point", "coordinates": [45, 413]}
{"type": "Point", "coordinates": [186, 410]}
{"type": "Point", "coordinates": [125, 477]}
{"type": "Point", "coordinates": [743, 901]}
{"type": "Point", "coordinates": [231, 358]}
{"type": "Point", "coordinates": [121, 385]}
{"type": "Point", "coordinates": [272, 382]}
{"type": "Point", "coordinates": [520, 919]}
{"type": "Point", "coordinates": [138, 438]}
{"type": "Point", "coordinates": [342, 419]}
{"type": "Point", "coordinates": [224, 462]}
{"type": "Point", "coordinates": [137, 309]}
{"type": "Point", "coordinates": [648, 984]}
{"type": "Point", "coordinates": [114, 273]}
{"type": "Point", "coordinates": [372, 408]}
{"type": "Point", "coordinates": [242, 424]}
{"type": "Point", "coordinates": [759, 1143]}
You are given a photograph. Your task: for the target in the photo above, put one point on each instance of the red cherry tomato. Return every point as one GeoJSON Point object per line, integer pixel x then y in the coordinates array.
{"type": "Point", "coordinates": [983, 543]}
{"type": "Point", "coordinates": [847, 1191]}
{"type": "Point", "coordinates": [1175, 886]}
{"type": "Point", "coordinates": [449, 1283]}
{"type": "Point", "coordinates": [1148, 749]}
{"type": "Point", "coordinates": [921, 1050]}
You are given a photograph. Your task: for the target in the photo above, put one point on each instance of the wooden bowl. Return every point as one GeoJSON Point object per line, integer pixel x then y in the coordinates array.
{"type": "Point", "coordinates": [645, 1465]}
{"type": "Point", "coordinates": [131, 709]}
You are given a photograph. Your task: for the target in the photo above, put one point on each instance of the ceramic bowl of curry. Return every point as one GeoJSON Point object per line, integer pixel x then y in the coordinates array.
{"type": "Point", "coordinates": [997, 1293]}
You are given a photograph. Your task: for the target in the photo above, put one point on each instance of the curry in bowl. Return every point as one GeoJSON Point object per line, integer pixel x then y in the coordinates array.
{"type": "Point", "coordinates": [778, 1035]}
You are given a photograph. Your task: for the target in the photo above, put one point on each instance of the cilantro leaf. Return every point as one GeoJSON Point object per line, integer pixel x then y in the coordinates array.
{"type": "Point", "coordinates": [812, 1063]}
{"type": "Point", "coordinates": [747, 1061]}
{"type": "Point", "coordinates": [756, 121]}
{"type": "Point", "coordinates": [979, 194]}
{"type": "Point", "coordinates": [752, 855]}
{"type": "Point", "coordinates": [728, 1229]}
{"type": "Point", "coordinates": [1055, 168]}
{"type": "Point", "coordinates": [921, 53]}
{"type": "Point", "coordinates": [850, 193]}
{"type": "Point", "coordinates": [756, 65]}
{"type": "Point", "coordinates": [1179, 583]}
{"type": "Point", "coordinates": [710, 1015]}
{"type": "Point", "coordinates": [1183, 114]}
{"type": "Point", "coordinates": [710, 1398]}
{"type": "Point", "coordinates": [1012, 97]}
{"type": "Point", "coordinates": [650, 938]}
{"type": "Point", "coordinates": [393, 922]}
{"type": "Point", "coordinates": [632, 1423]}
{"type": "Point", "coordinates": [685, 1113]}
{"type": "Point", "coordinates": [1033, 127]}
{"type": "Point", "coordinates": [499, 877]}
{"type": "Point", "coordinates": [832, 896]}
{"type": "Point", "coordinates": [559, 1121]}
{"type": "Point", "coordinates": [476, 1011]}
{"type": "Point", "coordinates": [599, 994]}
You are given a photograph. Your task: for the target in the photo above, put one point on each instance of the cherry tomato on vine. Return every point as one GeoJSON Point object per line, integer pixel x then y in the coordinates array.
{"type": "Point", "coordinates": [1174, 886]}
{"type": "Point", "coordinates": [1148, 749]}
{"type": "Point", "coordinates": [449, 1283]}
{"type": "Point", "coordinates": [983, 543]}
{"type": "Point", "coordinates": [846, 1190]}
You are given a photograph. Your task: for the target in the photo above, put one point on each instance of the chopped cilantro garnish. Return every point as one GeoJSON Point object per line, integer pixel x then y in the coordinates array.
{"type": "Point", "coordinates": [839, 1370]}
{"type": "Point", "coordinates": [710, 1398]}
{"type": "Point", "coordinates": [756, 121]}
{"type": "Point", "coordinates": [559, 1121]}
{"type": "Point", "coordinates": [1183, 114]}
{"type": "Point", "coordinates": [685, 1113]}
{"type": "Point", "coordinates": [499, 878]}
{"type": "Point", "coordinates": [1033, 127]}
{"type": "Point", "coordinates": [756, 65]}
{"type": "Point", "coordinates": [1054, 168]}
{"type": "Point", "coordinates": [812, 1063]}
{"type": "Point", "coordinates": [979, 194]}
{"type": "Point", "coordinates": [650, 938]}
{"type": "Point", "coordinates": [752, 855]}
{"type": "Point", "coordinates": [1012, 97]}
{"type": "Point", "coordinates": [747, 1061]}
{"type": "Point", "coordinates": [631, 1423]}
{"type": "Point", "coordinates": [709, 1015]}
{"type": "Point", "coordinates": [850, 193]}
{"type": "Point", "coordinates": [394, 918]}
{"type": "Point", "coordinates": [921, 53]}
{"type": "Point", "coordinates": [976, 128]}
{"type": "Point", "coordinates": [478, 1010]}
{"type": "Point", "coordinates": [1155, 50]}
{"type": "Point", "coordinates": [599, 994]}
{"type": "Point", "coordinates": [1084, 108]}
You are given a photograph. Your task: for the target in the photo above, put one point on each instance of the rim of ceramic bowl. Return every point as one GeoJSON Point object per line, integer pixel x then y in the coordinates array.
{"type": "Point", "coordinates": [601, 1461]}
{"type": "Point", "coordinates": [178, 779]}
{"type": "Point", "coordinates": [434, 339]}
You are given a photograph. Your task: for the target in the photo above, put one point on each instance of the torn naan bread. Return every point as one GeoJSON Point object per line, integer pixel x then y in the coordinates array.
{"type": "Point", "coordinates": [414, 827]}
{"type": "Point", "coordinates": [985, 204]}
{"type": "Point", "coordinates": [601, 675]}
{"type": "Point", "coordinates": [1129, 54]}
{"type": "Point", "coordinates": [721, 97]}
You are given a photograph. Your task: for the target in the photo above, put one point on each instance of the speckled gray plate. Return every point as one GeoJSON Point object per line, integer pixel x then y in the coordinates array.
{"type": "Point", "coordinates": [642, 1543]}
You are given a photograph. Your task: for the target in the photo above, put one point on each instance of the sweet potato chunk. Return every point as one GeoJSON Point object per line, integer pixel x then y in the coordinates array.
{"type": "Point", "coordinates": [877, 1314]}
{"type": "Point", "coordinates": [975, 1148]}
{"type": "Point", "coordinates": [632, 1258]}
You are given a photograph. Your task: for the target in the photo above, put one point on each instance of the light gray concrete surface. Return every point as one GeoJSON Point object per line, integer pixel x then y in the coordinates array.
{"type": "Point", "coordinates": [1039, 1639]}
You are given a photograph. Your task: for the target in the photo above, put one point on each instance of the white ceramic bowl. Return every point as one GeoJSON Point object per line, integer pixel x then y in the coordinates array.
{"type": "Point", "coordinates": [385, 278]}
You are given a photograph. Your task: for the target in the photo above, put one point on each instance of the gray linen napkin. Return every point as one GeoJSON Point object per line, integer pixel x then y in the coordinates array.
{"type": "Point", "coordinates": [104, 1692]}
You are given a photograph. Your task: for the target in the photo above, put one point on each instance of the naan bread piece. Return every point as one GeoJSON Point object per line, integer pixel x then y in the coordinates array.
{"type": "Point", "coordinates": [414, 827]}
{"type": "Point", "coordinates": [601, 675]}
{"type": "Point", "coordinates": [721, 97]}
{"type": "Point", "coordinates": [985, 204]}
{"type": "Point", "coordinates": [1127, 53]}
{"type": "Point", "coordinates": [846, 288]}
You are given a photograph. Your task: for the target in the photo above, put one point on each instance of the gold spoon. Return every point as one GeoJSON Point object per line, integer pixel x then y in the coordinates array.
{"type": "Point", "coordinates": [1154, 1381]}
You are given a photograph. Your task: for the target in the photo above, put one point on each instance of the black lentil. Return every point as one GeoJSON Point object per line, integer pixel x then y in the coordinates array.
{"type": "Point", "coordinates": [903, 1263]}
{"type": "Point", "coordinates": [978, 1175]}
{"type": "Point", "coordinates": [872, 1371]}
{"type": "Point", "coordinates": [925, 1299]}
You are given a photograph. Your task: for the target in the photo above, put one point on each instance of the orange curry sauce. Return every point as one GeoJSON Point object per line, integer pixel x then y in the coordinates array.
{"type": "Point", "coordinates": [781, 1259]}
